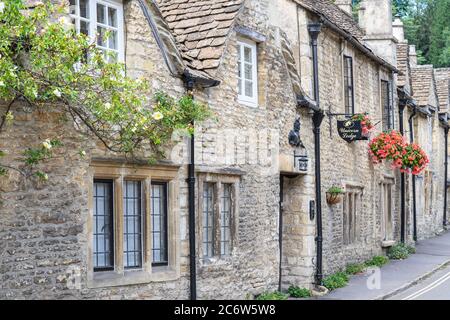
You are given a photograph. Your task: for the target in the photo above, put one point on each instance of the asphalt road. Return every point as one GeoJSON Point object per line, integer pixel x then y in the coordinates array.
{"type": "Point", "coordinates": [436, 287]}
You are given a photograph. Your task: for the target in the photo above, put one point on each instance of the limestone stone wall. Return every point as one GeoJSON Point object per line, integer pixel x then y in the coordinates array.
{"type": "Point", "coordinates": [44, 226]}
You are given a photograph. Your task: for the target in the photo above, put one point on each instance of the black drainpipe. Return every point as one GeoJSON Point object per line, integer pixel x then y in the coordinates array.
{"type": "Point", "coordinates": [411, 138]}
{"type": "Point", "coordinates": [280, 230]}
{"type": "Point", "coordinates": [190, 83]}
{"type": "Point", "coordinates": [314, 31]}
{"type": "Point", "coordinates": [446, 130]}
{"type": "Point", "coordinates": [402, 106]}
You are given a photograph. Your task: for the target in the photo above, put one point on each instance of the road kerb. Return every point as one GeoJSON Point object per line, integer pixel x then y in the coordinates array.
{"type": "Point", "coordinates": [414, 282]}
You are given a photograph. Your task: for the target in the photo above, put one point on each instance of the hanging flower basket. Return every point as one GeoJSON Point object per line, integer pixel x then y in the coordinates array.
{"type": "Point", "coordinates": [334, 198]}
{"type": "Point", "coordinates": [366, 125]}
{"type": "Point", "coordinates": [334, 195]}
{"type": "Point", "coordinates": [391, 146]}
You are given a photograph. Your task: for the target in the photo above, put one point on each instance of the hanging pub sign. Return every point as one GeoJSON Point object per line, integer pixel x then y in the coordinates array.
{"type": "Point", "coordinates": [351, 130]}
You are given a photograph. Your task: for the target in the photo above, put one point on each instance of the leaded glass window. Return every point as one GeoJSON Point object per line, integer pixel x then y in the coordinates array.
{"type": "Point", "coordinates": [225, 220]}
{"type": "Point", "coordinates": [208, 219]}
{"type": "Point", "coordinates": [132, 212]}
{"type": "Point", "coordinates": [159, 223]}
{"type": "Point", "coordinates": [103, 225]}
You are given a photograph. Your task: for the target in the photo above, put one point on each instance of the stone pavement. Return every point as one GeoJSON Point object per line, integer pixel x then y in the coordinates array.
{"type": "Point", "coordinates": [432, 255]}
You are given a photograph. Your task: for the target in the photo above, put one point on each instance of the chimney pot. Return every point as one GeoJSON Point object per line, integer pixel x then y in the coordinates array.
{"type": "Point", "coordinates": [376, 17]}
{"type": "Point", "coordinates": [412, 56]}
{"type": "Point", "coordinates": [398, 30]}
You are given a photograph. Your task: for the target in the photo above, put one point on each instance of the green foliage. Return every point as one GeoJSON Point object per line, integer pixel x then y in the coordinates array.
{"type": "Point", "coordinates": [35, 155]}
{"type": "Point", "coordinates": [377, 261]}
{"type": "Point", "coordinates": [275, 295]}
{"type": "Point", "coordinates": [297, 292]}
{"type": "Point", "coordinates": [400, 251]}
{"type": "Point", "coordinates": [336, 280]}
{"type": "Point", "coordinates": [45, 62]}
{"type": "Point", "coordinates": [426, 26]}
{"type": "Point", "coordinates": [335, 190]}
{"type": "Point", "coordinates": [353, 269]}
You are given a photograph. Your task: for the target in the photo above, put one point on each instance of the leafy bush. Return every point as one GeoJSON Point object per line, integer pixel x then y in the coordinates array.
{"type": "Point", "coordinates": [335, 281]}
{"type": "Point", "coordinates": [411, 249]}
{"type": "Point", "coordinates": [377, 261]}
{"type": "Point", "coordinates": [297, 292]}
{"type": "Point", "coordinates": [400, 251]}
{"type": "Point", "coordinates": [352, 269]}
{"type": "Point", "coordinates": [275, 295]}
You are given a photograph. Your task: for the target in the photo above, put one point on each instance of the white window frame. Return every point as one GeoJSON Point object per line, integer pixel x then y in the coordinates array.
{"type": "Point", "coordinates": [116, 4]}
{"type": "Point", "coordinates": [242, 98]}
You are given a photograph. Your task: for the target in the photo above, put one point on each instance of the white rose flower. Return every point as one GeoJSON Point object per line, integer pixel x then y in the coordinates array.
{"type": "Point", "coordinates": [57, 93]}
{"type": "Point", "coordinates": [2, 6]}
{"type": "Point", "coordinates": [2, 84]}
{"type": "Point", "coordinates": [47, 144]}
{"type": "Point", "coordinates": [107, 106]}
{"type": "Point", "coordinates": [157, 116]}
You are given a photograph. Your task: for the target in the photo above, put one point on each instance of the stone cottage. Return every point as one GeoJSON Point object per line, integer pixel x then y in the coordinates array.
{"type": "Point", "coordinates": [241, 207]}
{"type": "Point", "coordinates": [426, 120]}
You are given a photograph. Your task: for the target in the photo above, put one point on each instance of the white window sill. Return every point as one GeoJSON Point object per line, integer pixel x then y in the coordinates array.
{"type": "Point", "coordinates": [253, 105]}
{"type": "Point", "coordinates": [131, 277]}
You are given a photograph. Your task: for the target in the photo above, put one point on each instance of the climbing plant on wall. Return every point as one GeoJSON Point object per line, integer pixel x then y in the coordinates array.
{"type": "Point", "coordinates": [45, 64]}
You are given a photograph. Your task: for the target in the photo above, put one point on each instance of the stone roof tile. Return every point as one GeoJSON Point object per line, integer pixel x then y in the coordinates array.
{"type": "Point", "coordinates": [403, 64]}
{"type": "Point", "coordinates": [422, 78]}
{"type": "Point", "coordinates": [201, 28]}
{"type": "Point", "coordinates": [443, 87]}
{"type": "Point", "coordinates": [335, 15]}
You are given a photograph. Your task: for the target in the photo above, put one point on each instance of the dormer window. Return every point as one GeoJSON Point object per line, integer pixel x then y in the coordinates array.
{"type": "Point", "coordinates": [247, 73]}
{"type": "Point", "coordinates": [102, 21]}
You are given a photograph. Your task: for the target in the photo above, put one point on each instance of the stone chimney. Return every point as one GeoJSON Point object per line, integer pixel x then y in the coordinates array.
{"type": "Point", "coordinates": [412, 56]}
{"type": "Point", "coordinates": [398, 30]}
{"type": "Point", "coordinates": [345, 5]}
{"type": "Point", "coordinates": [375, 17]}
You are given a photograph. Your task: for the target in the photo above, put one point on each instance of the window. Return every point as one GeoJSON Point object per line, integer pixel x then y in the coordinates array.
{"type": "Point", "coordinates": [103, 225]}
{"type": "Point", "coordinates": [225, 219]}
{"type": "Point", "coordinates": [132, 212]}
{"type": "Point", "coordinates": [349, 94]}
{"type": "Point", "coordinates": [133, 223]}
{"type": "Point", "coordinates": [218, 213]}
{"type": "Point", "coordinates": [102, 21]}
{"type": "Point", "coordinates": [351, 206]}
{"type": "Point", "coordinates": [159, 223]}
{"type": "Point", "coordinates": [247, 73]}
{"type": "Point", "coordinates": [386, 205]}
{"type": "Point", "coordinates": [208, 220]}
{"type": "Point", "coordinates": [428, 191]}
{"type": "Point", "coordinates": [386, 99]}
